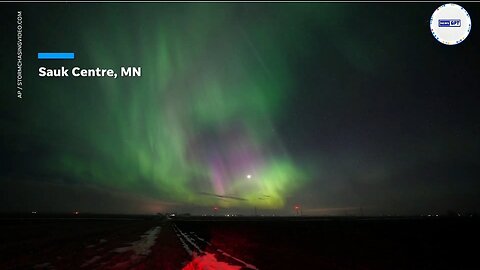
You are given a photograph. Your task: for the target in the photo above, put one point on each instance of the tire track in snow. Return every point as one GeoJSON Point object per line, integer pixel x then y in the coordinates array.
{"type": "Point", "coordinates": [181, 235]}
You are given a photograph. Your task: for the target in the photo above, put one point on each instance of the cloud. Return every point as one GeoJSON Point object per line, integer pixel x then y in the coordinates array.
{"type": "Point", "coordinates": [222, 196]}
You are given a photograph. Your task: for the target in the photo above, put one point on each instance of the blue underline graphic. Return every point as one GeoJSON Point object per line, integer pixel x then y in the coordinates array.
{"type": "Point", "coordinates": [57, 55]}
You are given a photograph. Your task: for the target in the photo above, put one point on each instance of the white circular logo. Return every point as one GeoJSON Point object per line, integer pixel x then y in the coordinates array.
{"type": "Point", "coordinates": [450, 24]}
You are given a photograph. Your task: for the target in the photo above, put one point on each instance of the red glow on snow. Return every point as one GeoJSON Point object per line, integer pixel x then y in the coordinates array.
{"type": "Point", "coordinates": [208, 262]}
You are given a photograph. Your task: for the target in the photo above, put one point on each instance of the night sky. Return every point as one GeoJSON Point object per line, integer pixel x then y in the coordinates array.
{"type": "Point", "coordinates": [343, 109]}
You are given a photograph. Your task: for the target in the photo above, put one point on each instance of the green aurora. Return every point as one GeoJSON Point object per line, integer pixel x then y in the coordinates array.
{"type": "Point", "coordinates": [335, 107]}
{"type": "Point", "coordinates": [199, 120]}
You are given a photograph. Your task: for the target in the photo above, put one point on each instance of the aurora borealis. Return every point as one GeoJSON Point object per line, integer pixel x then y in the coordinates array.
{"type": "Point", "coordinates": [242, 106]}
{"type": "Point", "coordinates": [199, 120]}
